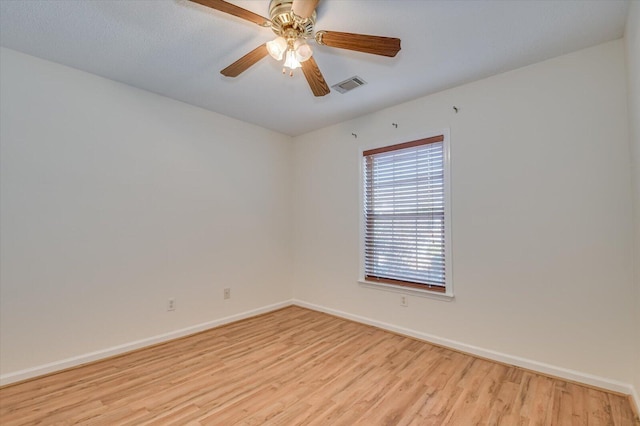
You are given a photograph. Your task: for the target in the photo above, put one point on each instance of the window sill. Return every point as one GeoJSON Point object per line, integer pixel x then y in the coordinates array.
{"type": "Point", "coordinates": [446, 297]}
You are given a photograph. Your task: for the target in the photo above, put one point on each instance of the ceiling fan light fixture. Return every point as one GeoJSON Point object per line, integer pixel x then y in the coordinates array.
{"type": "Point", "coordinates": [277, 48]}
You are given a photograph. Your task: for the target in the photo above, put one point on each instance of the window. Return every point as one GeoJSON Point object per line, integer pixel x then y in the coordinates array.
{"type": "Point", "coordinates": [406, 221]}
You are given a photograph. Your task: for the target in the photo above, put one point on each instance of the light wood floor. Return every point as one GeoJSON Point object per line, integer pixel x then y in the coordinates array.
{"type": "Point", "coordinates": [300, 367]}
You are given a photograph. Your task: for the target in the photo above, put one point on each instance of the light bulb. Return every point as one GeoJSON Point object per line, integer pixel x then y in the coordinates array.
{"type": "Point", "coordinates": [277, 47]}
{"type": "Point", "coordinates": [291, 62]}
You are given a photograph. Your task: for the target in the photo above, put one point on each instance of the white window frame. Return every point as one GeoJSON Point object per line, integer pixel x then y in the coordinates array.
{"type": "Point", "coordinates": [448, 293]}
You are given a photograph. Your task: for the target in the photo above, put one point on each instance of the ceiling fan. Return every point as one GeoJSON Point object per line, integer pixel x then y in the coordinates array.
{"type": "Point", "coordinates": [292, 21]}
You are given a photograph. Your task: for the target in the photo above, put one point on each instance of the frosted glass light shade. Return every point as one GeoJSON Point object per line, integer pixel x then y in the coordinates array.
{"type": "Point", "coordinates": [277, 47]}
{"type": "Point", "coordinates": [302, 49]}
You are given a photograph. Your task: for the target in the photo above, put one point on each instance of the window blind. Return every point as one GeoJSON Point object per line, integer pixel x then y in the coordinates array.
{"type": "Point", "coordinates": [404, 214]}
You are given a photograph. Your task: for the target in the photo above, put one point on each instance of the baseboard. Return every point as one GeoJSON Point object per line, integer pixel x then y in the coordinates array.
{"type": "Point", "coordinates": [64, 364]}
{"type": "Point", "coordinates": [547, 369]}
{"type": "Point", "coordinates": [634, 399]}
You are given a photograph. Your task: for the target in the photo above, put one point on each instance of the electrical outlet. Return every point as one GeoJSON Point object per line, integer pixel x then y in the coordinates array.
{"type": "Point", "coordinates": [227, 293]}
{"type": "Point", "coordinates": [404, 301]}
{"type": "Point", "coordinates": [171, 304]}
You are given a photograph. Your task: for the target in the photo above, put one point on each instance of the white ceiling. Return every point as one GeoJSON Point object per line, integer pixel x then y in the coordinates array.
{"type": "Point", "coordinates": [177, 48]}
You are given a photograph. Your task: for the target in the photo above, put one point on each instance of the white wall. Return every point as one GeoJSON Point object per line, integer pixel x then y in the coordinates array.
{"type": "Point", "coordinates": [632, 44]}
{"type": "Point", "coordinates": [114, 200]}
{"type": "Point", "coordinates": [541, 212]}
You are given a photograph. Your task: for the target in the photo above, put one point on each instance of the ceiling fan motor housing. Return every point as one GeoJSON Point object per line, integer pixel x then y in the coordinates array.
{"type": "Point", "coordinates": [283, 20]}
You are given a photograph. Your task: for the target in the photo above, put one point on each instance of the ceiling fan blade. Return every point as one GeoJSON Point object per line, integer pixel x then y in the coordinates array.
{"type": "Point", "coordinates": [245, 62]}
{"type": "Point", "coordinates": [314, 77]}
{"type": "Point", "coordinates": [376, 45]}
{"type": "Point", "coordinates": [304, 8]}
{"type": "Point", "coordinates": [234, 10]}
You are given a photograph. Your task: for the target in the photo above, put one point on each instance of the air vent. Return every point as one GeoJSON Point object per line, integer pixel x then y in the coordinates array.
{"type": "Point", "coordinates": [349, 84]}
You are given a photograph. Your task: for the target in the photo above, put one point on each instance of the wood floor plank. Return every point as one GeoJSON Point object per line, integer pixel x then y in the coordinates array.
{"type": "Point", "coordinates": [295, 366]}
